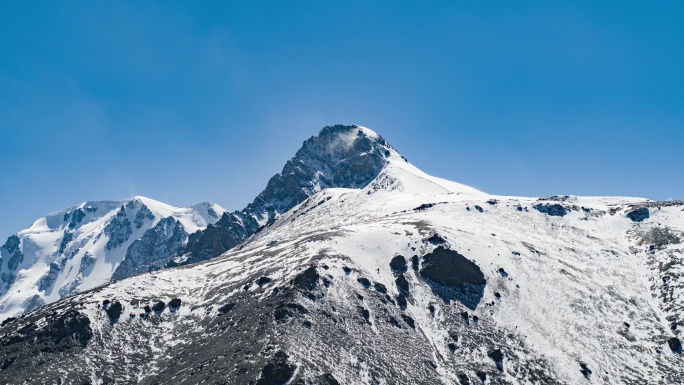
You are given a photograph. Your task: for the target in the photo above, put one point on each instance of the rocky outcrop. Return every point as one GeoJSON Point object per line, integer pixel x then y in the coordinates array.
{"type": "Point", "coordinates": [154, 250]}
{"type": "Point", "coordinates": [10, 258]}
{"type": "Point", "coordinates": [118, 230]}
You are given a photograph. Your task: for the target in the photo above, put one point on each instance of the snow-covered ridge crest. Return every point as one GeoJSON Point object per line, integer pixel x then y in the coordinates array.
{"type": "Point", "coordinates": [86, 245]}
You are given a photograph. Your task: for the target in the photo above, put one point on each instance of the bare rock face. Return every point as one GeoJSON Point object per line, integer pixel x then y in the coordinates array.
{"type": "Point", "coordinates": [55, 335]}
{"type": "Point", "coordinates": [154, 250]}
{"type": "Point", "coordinates": [118, 230]}
{"type": "Point", "coordinates": [10, 258]}
{"type": "Point", "coordinates": [453, 277]}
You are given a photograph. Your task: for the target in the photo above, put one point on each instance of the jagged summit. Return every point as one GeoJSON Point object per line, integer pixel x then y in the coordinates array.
{"type": "Point", "coordinates": [340, 156]}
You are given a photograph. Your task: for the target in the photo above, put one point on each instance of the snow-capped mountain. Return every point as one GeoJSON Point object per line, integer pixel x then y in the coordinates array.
{"type": "Point", "coordinates": [88, 245]}
{"type": "Point", "coordinates": [400, 279]}
{"type": "Point", "coordinates": [340, 156]}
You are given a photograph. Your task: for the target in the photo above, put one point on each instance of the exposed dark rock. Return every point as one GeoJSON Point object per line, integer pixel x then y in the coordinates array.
{"type": "Point", "coordinates": [415, 262]}
{"type": "Point", "coordinates": [639, 214]}
{"type": "Point", "coordinates": [436, 239]}
{"type": "Point", "coordinates": [76, 218]}
{"type": "Point", "coordinates": [118, 230]}
{"type": "Point", "coordinates": [402, 284]}
{"type": "Point", "coordinates": [347, 270]}
{"type": "Point", "coordinates": [143, 215]}
{"type": "Point", "coordinates": [14, 258]}
{"type": "Point", "coordinates": [175, 303]}
{"type": "Point", "coordinates": [450, 275]}
{"type": "Point", "coordinates": [307, 279]}
{"type": "Point", "coordinates": [660, 237]}
{"type": "Point", "coordinates": [114, 310]}
{"type": "Point", "coordinates": [380, 287]}
{"type": "Point", "coordinates": [398, 264]}
{"type": "Point", "coordinates": [226, 233]}
{"type": "Point", "coordinates": [154, 250]}
{"type": "Point", "coordinates": [278, 371]}
{"type": "Point", "coordinates": [47, 281]}
{"type": "Point", "coordinates": [463, 379]}
{"type": "Point", "coordinates": [61, 332]}
{"type": "Point", "coordinates": [478, 208]}
{"type": "Point", "coordinates": [326, 281]}
{"type": "Point", "coordinates": [159, 306]}
{"type": "Point", "coordinates": [675, 345]}
{"type": "Point", "coordinates": [364, 313]}
{"type": "Point", "coordinates": [554, 210]}
{"type": "Point", "coordinates": [8, 320]}
{"type": "Point", "coordinates": [401, 301]}
{"type": "Point", "coordinates": [288, 310]}
{"type": "Point", "coordinates": [497, 356]}
{"type": "Point", "coordinates": [223, 309]}
{"type": "Point", "coordinates": [503, 272]}
{"type": "Point", "coordinates": [492, 202]}
{"type": "Point", "coordinates": [586, 372]}
{"type": "Point", "coordinates": [424, 207]}
{"type": "Point", "coordinates": [68, 237]}
{"type": "Point", "coordinates": [365, 282]}
{"type": "Point", "coordinates": [263, 280]}
{"type": "Point", "coordinates": [557, 198]}
{"type": "Point", "coordinates": [409, 321]}
{"type": "Point", "coordinates": [482, 376]}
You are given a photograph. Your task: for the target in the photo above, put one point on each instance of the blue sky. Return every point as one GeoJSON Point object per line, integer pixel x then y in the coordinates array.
{"type": "Point", "coordinates": [191, 101]}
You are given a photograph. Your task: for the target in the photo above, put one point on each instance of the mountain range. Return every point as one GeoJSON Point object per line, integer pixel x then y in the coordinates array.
{"type": "Point", "coordinates": [351, 267]}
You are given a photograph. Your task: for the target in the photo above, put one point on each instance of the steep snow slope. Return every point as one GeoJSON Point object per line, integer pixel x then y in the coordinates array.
{"type": "Point", "coordinates": [87, 245]}
{"type": "Point", "coordinates": [410, 280]}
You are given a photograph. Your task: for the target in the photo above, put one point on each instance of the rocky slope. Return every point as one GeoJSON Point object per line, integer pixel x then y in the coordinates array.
{"type": "Point", "coordinates": [85, 246]}
{"type": "Point", "coordinates": [410, 279]}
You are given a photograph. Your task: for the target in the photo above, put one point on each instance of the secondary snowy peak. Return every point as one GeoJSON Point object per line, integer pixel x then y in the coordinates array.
{"type": "Point", "coordinates": [87, 245]}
